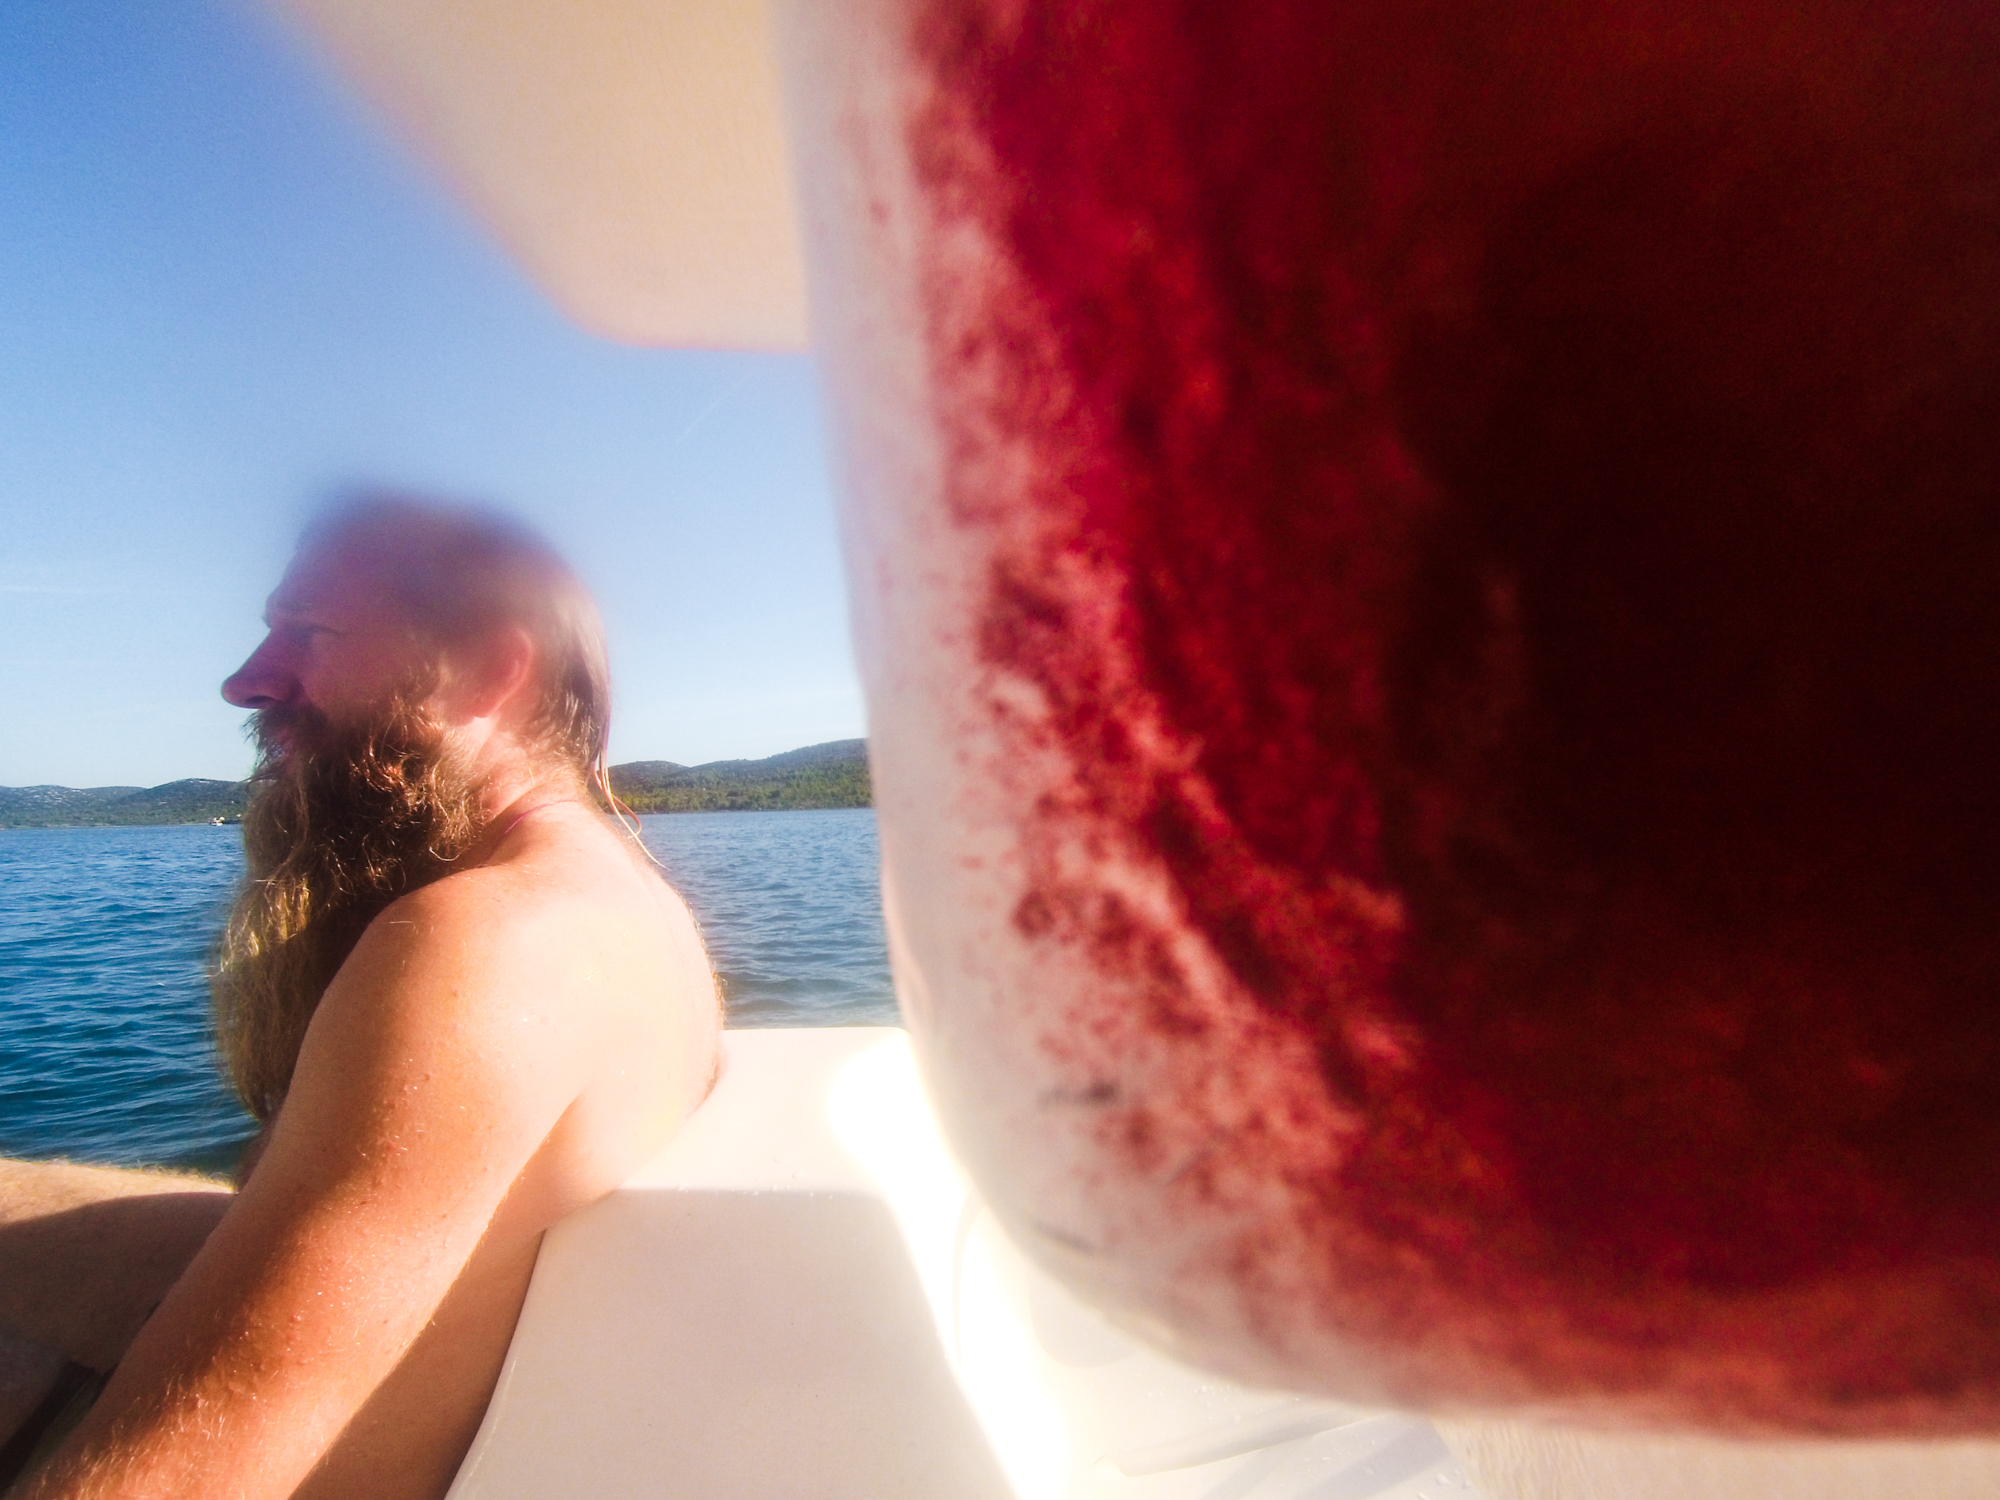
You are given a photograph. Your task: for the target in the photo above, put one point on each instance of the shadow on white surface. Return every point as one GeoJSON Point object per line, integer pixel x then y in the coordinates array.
{"type": "Point", "coordinates": [802, 1297]}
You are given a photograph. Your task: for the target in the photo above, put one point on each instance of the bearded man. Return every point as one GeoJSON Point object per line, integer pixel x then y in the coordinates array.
{"type": "Point", "coordinates": [459, 1003]}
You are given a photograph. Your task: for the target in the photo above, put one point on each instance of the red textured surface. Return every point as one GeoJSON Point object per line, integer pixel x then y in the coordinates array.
{"type": "Point", "coordinates": [1550, 472]}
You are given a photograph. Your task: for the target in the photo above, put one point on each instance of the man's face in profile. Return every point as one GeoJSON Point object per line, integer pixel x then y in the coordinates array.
{"type": "Point", "coordinates": [339, 649]}
{"type": "Point", "coordinates": [361, 794]}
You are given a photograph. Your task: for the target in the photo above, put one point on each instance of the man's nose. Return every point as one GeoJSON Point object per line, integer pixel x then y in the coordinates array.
{"type": "Point", "coordinates": [263, 681]}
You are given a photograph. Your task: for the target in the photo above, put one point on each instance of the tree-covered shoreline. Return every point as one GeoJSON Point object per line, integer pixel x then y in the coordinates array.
{"type": "Point", "coordinates": [834, 774]}
{"type": "Point", "coordinates": [830, 775]}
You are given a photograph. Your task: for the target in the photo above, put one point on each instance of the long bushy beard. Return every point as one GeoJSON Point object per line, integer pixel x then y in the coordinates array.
{"type": "Point", "coordinates": [341, 821]}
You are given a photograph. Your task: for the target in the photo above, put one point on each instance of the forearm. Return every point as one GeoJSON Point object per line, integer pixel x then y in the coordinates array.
{"type": "Point", "coordinates": [253, 1366]}
{"type": "Point", "coordinates": [86, 1253]}
{"type": "Point", "coordinates": [179, 1443]}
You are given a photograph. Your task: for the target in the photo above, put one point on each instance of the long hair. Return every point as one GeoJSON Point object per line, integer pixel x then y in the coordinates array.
{"type": "Point", "coordinates": [345, 818]}
{"type": "Point", "coordinates": [339, 825]}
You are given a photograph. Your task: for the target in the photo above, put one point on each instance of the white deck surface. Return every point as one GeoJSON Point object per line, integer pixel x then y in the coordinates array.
{"type": "Point", "coordinates": [801, 1297]}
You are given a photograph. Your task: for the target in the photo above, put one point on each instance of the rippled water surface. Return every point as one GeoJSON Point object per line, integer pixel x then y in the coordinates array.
{"type": "Point", "coordinates": [790, 905]}
{"type": "Point", "coordinates": [104, 1046]}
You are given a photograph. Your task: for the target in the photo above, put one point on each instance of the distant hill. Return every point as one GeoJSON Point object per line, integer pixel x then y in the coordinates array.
{"type": "Point", "coordinates": [830, 775]}
{"type": "Point", "coordinates": [192, 801]}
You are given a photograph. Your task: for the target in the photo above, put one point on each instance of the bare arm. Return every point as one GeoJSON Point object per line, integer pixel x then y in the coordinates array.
{"type": "Point", "coordinates": [439, 1063]}
{"type": "Point", "coordinates": [86, 1253]}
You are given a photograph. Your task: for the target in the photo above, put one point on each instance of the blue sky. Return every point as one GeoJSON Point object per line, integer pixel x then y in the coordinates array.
{"type": "Point", "coordinates": [225, 293]}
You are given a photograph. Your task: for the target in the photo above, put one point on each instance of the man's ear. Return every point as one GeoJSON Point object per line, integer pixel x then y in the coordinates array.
{"type": "Point", "coordinates": [499, 671]}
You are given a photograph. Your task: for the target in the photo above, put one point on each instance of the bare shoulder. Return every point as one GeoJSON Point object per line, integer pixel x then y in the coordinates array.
{"type": "Point", "coordinates": [500, 1048]}
{"type": "Point", "coordinates": [567, 869]}
{"type": "Point", "coordinates": [563, 909]}
{"type": "Point", "coordinates": [562, 976]}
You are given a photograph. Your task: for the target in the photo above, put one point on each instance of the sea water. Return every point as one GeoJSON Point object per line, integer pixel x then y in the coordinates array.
{"type": "Point", "coordinates": [105, 1051]}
